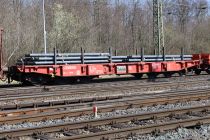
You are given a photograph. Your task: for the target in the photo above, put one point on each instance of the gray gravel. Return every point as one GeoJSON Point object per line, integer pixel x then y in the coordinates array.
{"type": "Point", "coordinates": [202, 133]}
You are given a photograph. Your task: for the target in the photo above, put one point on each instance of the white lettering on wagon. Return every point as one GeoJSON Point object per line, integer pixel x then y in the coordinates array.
{"type": "Point", "coordinates": [121, 69]}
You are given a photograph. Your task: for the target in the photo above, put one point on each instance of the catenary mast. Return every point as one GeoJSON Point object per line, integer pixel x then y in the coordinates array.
{"type": "Point", "coordinates": [158, 31]}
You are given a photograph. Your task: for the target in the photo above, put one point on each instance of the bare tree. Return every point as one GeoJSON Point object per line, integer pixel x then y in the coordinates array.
{"type": "Point", "coordinates": [97, 25]}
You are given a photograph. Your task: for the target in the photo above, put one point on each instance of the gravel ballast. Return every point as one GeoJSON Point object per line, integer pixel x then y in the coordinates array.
{"type": "Point", "coordinates": [201, 133]}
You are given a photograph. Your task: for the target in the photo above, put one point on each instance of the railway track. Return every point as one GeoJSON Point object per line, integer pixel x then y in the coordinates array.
{"type": "Point", "coordinates": [107, 99]}
{"type": "Point", "coordinates": [187, 117]}
{"type": "Point", "coordinates": [29, 89]}
{"type": "Point", "coordinates": [76, 110]}
{"type": "Point", "coordinates": [16, 98]}
{"type": "Point", "coordinates": [195, 116]}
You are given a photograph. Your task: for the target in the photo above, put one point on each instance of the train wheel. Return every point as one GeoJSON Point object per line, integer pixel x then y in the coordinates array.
{"type": "Point", "coordinates": [138, 76]}
{"type": "Point", "coordinates": [167, 75]}
{"type": "Point", "coordinates": [182, 73]}
{"type": "Point", "coordinates": [152, 75]}
{"type": "Point", "coordinates": [208, 71]}
{"type": "Point", "coordinates": [26, 83]}
{"type": "Point", "coordinates": [197, 72]}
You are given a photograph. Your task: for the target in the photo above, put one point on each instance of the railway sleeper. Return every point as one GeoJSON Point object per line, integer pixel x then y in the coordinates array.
{"type": "Point", "coordinates": [95, 130]}
{"type": "Point", "coordinates": [158, 132]}
{"type": "Point", "coordinates": [132, 135]}
{"type": "Point", "coordinates": [137, 122]}
{"type": "Point", "coordinates": [41, 136]}
{"type": "Point", "coordinates": [197, 114]}
{"type": "Point", "coordinates": [197, 125]}
{"type": "Point", "coordinates": [130, 106]}
{"type": "Point", "coordinates": [87, 127]}
{"type": "Point", "coordinates": [118, 125]}
{"type": "Point", "coordinates": [105, 138]}
{"type": "Point", "coordinates": [70, 133]}
{"type": "Point", "coordinates": [181, 116]}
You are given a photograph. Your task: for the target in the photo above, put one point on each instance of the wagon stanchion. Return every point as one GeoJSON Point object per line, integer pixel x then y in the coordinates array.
{"type": "Point", "coordinates": [82, 56]}
{"type": "Point", "coordinates": [142, 54]}
{"type": "Point", "coordinates": [9, 76]}
{"type": "Point", "coordinates": [164, 57]}
{"type": "Point", "coordinates": [55, 56]}
{"type": "Point", "coordinates": [136, 51]}
{"type": "Point", "coordinates": [110, 55]}
{"type": "Point", "coordinates": [182, 54]}
{"type": "Point", "coordinates": [115, 52]}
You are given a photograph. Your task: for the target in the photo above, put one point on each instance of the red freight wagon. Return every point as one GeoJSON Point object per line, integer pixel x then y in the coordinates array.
{"type": "Point", "coordinates": [46, 73]}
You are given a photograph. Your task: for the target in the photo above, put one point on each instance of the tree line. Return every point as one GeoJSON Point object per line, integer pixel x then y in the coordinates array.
{"type": "Point", "coordinates": [97, 25]}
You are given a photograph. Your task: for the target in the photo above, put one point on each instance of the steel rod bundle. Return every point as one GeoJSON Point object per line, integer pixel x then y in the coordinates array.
{"type": "Point", "coordinates": [45, 60]}
{"type": "Point", "coordinates": [89, 58]}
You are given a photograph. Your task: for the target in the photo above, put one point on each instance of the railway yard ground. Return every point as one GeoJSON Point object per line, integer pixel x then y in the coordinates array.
{"type": "Point", "coordinates": [165, 108]}
{"type": "Point", "coordinates": [104, 70]}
